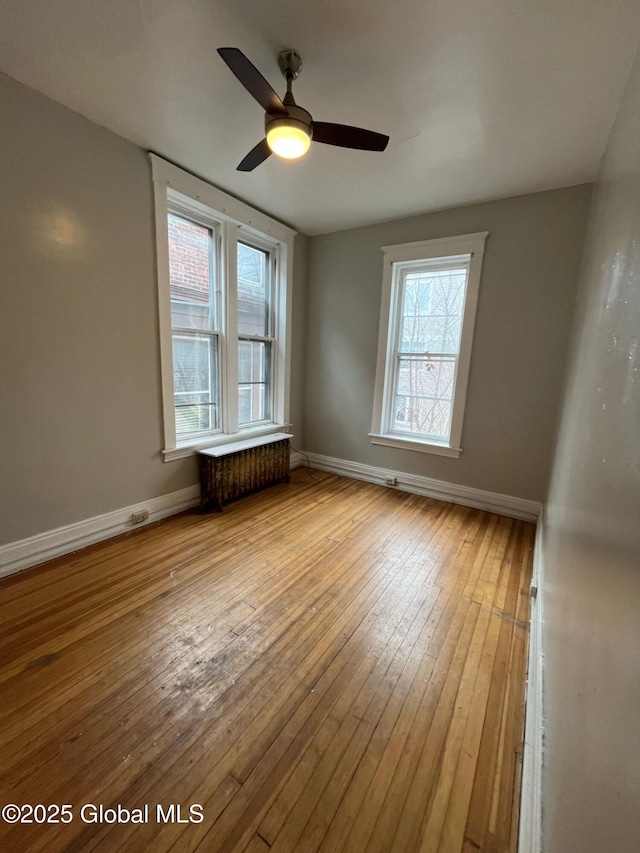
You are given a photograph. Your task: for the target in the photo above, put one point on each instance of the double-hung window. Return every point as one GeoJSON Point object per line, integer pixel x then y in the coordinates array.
{"type": "Point", "coordinates": [224, 284]}
{"type": "Point", "coordinates": [430, 292]}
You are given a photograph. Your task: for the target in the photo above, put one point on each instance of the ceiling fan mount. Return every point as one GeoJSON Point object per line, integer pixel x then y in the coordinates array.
{"type": "Point", "coordinates": [290, 64]}
{"type": "Point", "coordinates": [289, 128]}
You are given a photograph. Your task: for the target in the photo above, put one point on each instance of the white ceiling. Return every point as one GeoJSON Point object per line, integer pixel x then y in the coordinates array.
{"type": "Point", "coordinates": [482, 99]}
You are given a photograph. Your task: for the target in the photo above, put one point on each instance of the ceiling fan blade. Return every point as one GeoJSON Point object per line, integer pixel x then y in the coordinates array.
{"type": "Point", "coordinates": [257, 155]}
{"type": "Point", "coordinates": [252, 80]}
{"type": "Point", "coordinates": [348, 137]}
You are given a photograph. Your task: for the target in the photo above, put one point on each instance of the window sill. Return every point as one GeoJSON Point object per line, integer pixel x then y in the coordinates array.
{"type": "Point", "coordinates": [421, 446]}
{"type": "Point", "coordinates": [182, 451]}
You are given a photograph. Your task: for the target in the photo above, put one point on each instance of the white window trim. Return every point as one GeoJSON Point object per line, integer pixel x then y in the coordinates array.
{"type": "Point", "coordinates": [466, 244]}
{"type": "Point", "coordinates": [231, 218]}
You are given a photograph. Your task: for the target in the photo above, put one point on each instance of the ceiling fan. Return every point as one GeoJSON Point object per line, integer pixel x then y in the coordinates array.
{"type": "Point", "coordinates": [289, 128]}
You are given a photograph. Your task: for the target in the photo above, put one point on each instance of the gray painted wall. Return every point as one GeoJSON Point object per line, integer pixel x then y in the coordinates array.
{"type": "Point", "coordinates": [591, 769]}
{"type": "Point", "coordinates": [299, 337]}
{"type": "Point", "coordinates": [80, 404]}
{"type": "Point", "coordinates": [526, 301]}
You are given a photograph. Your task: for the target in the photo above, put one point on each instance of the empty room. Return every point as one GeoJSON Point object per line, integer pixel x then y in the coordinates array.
{"type": "Point", "coordinates": [320, 421]}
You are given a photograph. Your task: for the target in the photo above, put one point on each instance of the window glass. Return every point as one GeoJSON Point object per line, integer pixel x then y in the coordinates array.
{"type": "Point", "coordinates": [191, 274]}
{"type": "Point", "coordinates": [195, 372]}
{"type": "Point", "coordinates": [195, 354]}
{"type": "Point", "coordinates": [253, 380]}
{"type": "Point", "coordinates": [423, 395]}
{"type": "Point", "coordinates": [432, 306]}
{"type": "Point", "coordinates": [254, 356]}
{"type": "Point", "coordinates": [253, 290]}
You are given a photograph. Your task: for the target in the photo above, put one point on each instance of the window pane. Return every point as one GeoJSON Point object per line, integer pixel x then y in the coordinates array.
{"type": "Point", "coordinates": [253, 291]}
{"type": "Point", "coordinates": [190, 272]}
{"type": "Point", "coordinates": [254, 371]}
{"type": "Point", "coordinates": [431, 311]}
{"type": "Point", "coordinates": [195, 379]}
{"type": "Point", "coordinates": [423, 398]}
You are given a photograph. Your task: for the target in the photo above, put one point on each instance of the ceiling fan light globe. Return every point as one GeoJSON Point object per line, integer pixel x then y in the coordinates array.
{"type": "Point", "coordinates": [288, 141]}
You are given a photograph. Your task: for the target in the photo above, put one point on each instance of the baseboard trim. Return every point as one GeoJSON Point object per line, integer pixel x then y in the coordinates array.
{"type": "Point", "coordinates": [296, 459]}
{"type": "Point", "coordinates": [530, 831]}
{"type": "Point", "coordinates": [29, 552]}
{"type": "Point", "coordinates": [451, 492]}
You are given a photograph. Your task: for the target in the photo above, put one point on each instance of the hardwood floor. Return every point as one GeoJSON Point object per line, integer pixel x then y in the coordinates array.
{"type": "Point", "coordinates": [326, 666]}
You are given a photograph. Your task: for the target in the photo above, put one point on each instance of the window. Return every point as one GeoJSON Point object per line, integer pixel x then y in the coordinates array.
{"type": "Point", "coordinates": [224, 287]}
{"type": "Point", "coordinates": [430, 291]}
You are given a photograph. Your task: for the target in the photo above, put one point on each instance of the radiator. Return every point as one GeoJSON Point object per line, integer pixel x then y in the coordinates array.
{"type": "Point", "coordinates": [231, 471]}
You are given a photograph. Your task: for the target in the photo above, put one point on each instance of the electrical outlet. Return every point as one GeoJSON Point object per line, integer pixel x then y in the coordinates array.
{"type": "Point", "coordinates": [391, 481]}
{"type": "Point", "coordinates": [139, 517]}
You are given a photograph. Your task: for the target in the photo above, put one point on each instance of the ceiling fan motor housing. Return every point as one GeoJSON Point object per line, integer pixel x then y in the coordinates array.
{"type": "Point", "coordinates": [297, 117]}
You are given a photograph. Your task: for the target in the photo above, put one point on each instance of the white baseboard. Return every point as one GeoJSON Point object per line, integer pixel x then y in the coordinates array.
{"type": "Point", "coordinates": [63, 540]}
{"type": "Point", "coordinates": [530, 833]}
{"type": "Point", "coordinates": [296, 459]}
{"type": "Point", "coordinates": [490, 501]}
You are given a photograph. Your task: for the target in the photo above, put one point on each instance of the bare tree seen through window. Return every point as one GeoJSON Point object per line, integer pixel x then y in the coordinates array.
{"type": "Point", "coordinates": [432, 303]}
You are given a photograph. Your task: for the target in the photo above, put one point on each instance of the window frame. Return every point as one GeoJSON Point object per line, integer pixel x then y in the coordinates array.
{"type": "Point", "coordinates": [397, 259]}
{"type": "Point", "coordinates": [231, 221]}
